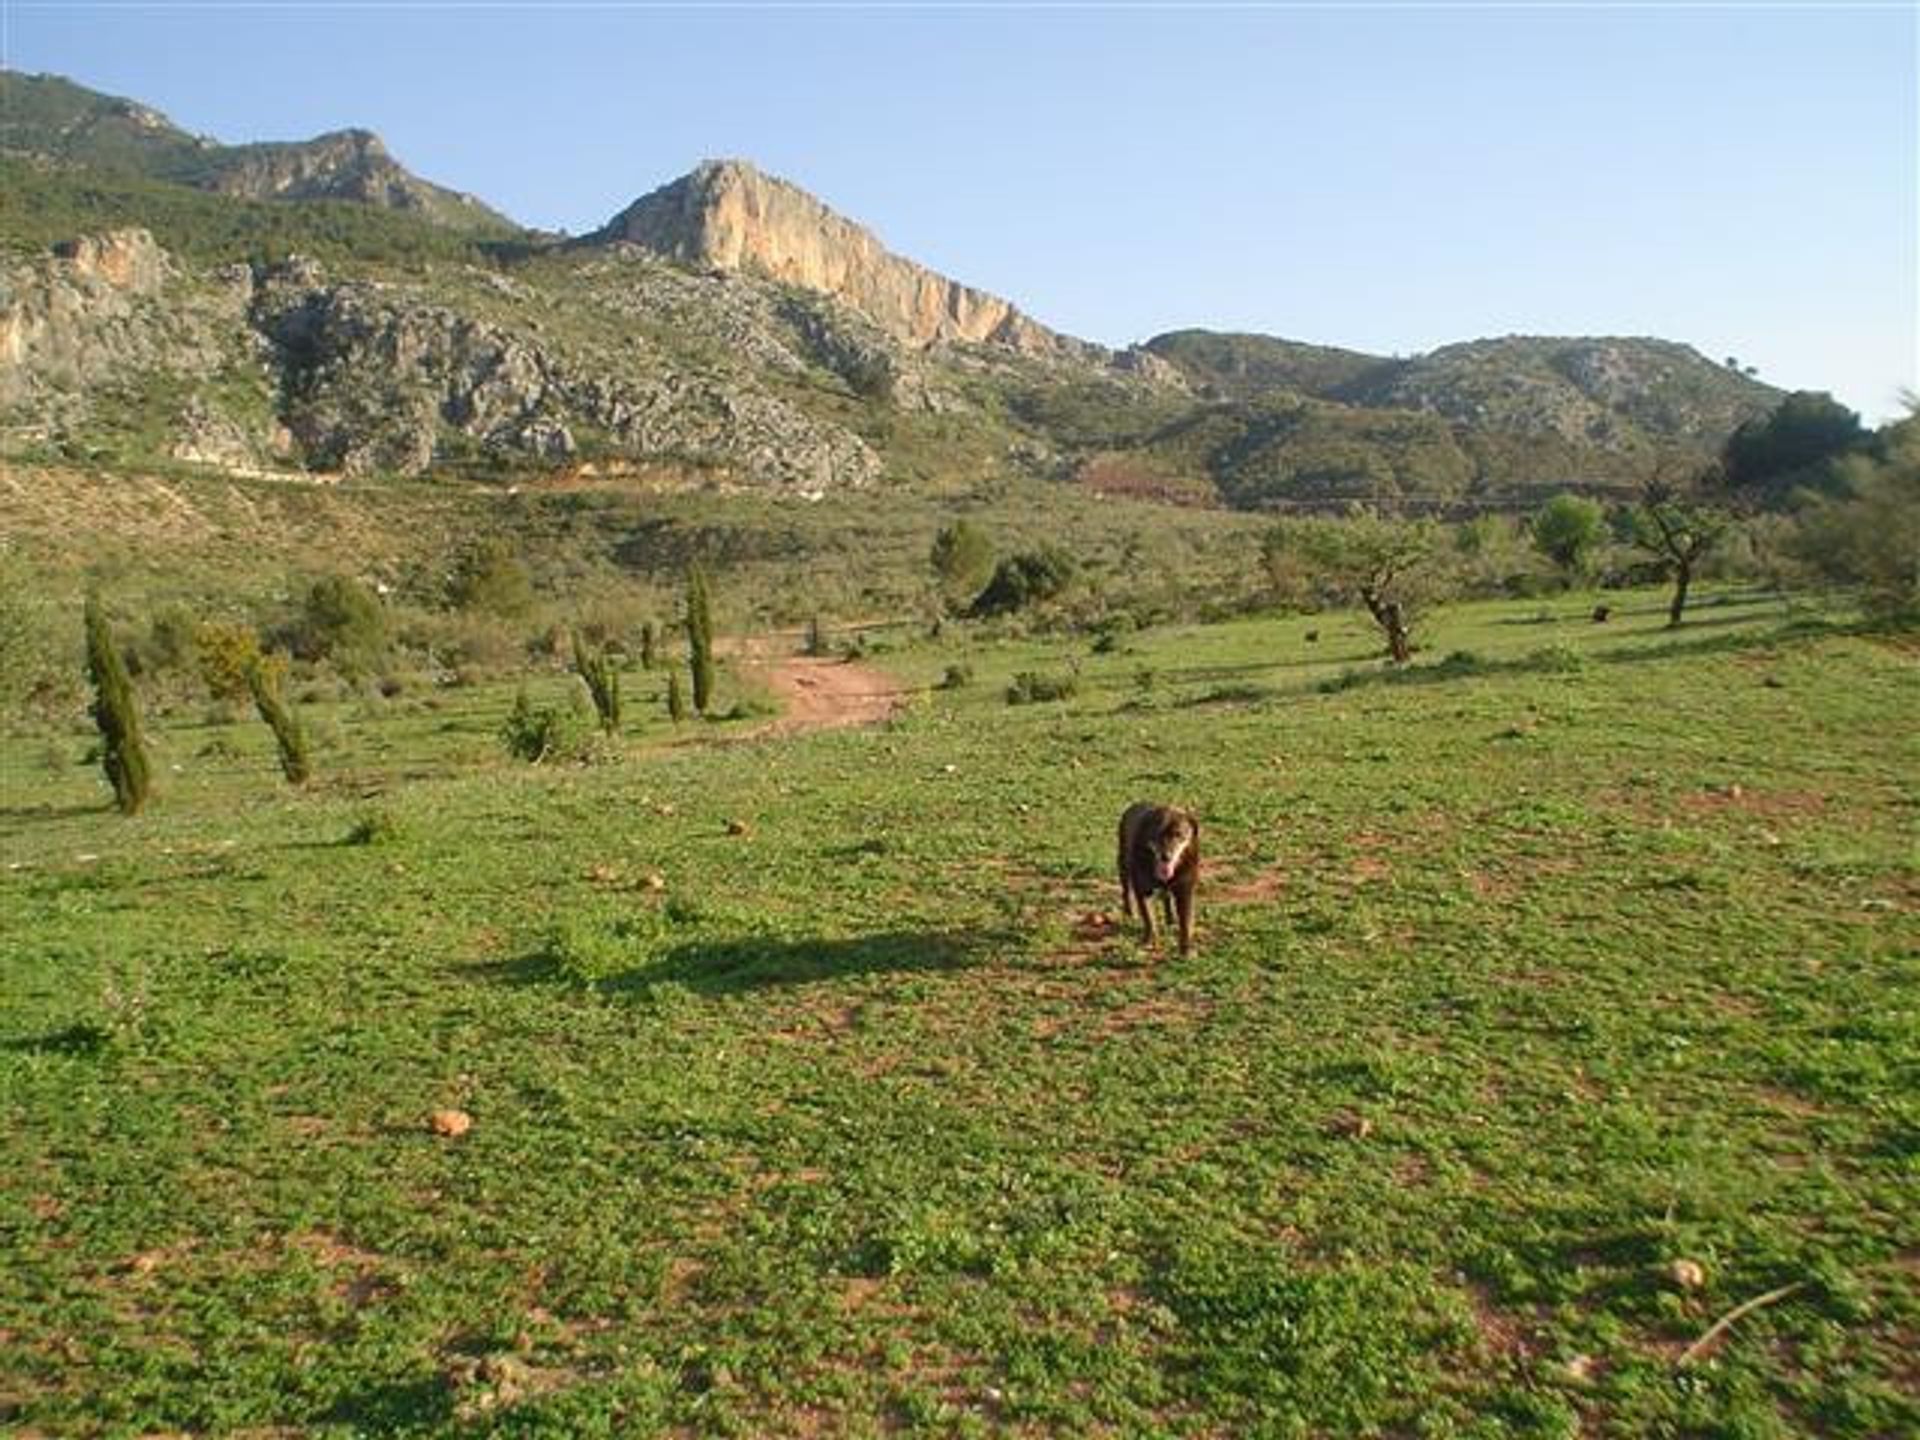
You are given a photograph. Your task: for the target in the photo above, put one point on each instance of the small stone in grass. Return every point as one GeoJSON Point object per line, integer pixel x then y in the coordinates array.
{"type": "Point", "coordinates": [1688, 1274]}
{"type": "Point", "coordinates": [451, 1123]}
{"type": "Point", "coordinates": [737, 827]}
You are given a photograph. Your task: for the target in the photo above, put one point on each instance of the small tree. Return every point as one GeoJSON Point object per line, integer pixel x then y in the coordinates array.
{"type": "Point", "coordinates": [676, 698]}
{"type": "Point", "coordinates": [123, 753]}
{"type": "Point", "coordinates": [1025, 579]}
{"type": "Point", "coordinates": [817, 641]}
{"type": "Point", "coordinates": [1567, 531]}
{"type": "Point", "coordinates": [1869, 534]}
{"type": "Point", "coordinates": [1674, 524]}
{"type": "Point", "coordinates": [602, 678]}
{"type": "Point", "coordinates": [1766, 460]}
{"type": "Point", "coordinates": [1390, 566]}
{"type": "Point", "coordinates": [265, 677]}
{"type": "Point", "coordinates": [649, 645]}
{"type": "Point", "coordinates": [492, 578]}
{"type": "Point", "coordinates": [700, 637]}
{"type": "Point", "coordinates": [962, 557]}
{"type": "Point", "coordinates": [343, 621]}
{"type": "Point", "coordinates": [225, 652]}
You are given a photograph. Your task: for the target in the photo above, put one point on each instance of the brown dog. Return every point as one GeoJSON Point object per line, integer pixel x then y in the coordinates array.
{"type": "Point", "coordinates": [1160, 850]}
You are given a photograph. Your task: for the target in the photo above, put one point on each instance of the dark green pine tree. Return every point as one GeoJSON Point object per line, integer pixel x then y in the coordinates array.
{"type": "Point", "coordinates": [603, 682]}
{"type": "Point", "coordinates": [700, 637]}
{"type": "Point", "coordinates": [123, 753]}
{"type": "Point", "coordinates": [264, 677]}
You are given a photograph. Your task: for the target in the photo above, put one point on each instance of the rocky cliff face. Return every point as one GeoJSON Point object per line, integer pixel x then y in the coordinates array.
{"type": "Point", "coordinates": [94, 309]}
{"type": "Point", "coordinates": [377, 379]}
{"type": "Point", "coordinates": [348, 165]}
{"type": "Point", "coordinates": [730, 216]}
{"type": "Point", "coordinates": [112, 343]}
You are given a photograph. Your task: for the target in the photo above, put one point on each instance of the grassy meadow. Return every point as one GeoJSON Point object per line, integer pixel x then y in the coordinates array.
{"type": "Point", "coordinates": [1553, 999]}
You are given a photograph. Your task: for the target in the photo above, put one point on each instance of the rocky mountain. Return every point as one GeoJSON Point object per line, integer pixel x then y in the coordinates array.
{"type": "Point", "coordinates": [1584, 390]}
{"type": "Point", "coordinates": [165, 297]}
{"type": "Point", "coordinates": [50, 117]}
{"type": "Point", "coordinates": [727, 215]}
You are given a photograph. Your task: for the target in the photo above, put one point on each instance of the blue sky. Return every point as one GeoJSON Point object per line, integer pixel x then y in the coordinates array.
{"type": "Point", "coordinates": [1387, 177]}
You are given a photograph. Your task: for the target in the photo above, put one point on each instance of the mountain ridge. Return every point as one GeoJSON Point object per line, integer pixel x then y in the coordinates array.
{"type": "Point", "coordinates": [727, 324]}
{"type": "Point", "coordinates": [51, 116]}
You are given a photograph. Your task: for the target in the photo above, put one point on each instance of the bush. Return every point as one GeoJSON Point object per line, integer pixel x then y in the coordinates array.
{"type": "Point", "coordinates": [537, 733]}
{"type": "Point", "coordinates": [224, 651]}
{"type": "Point", "coordinates": [958, 676]}
{"type": "Point", "coordinates": [1030, 688]}
{"type": "Point", "coordinates": [1869, 534]}
{"type": "Point", "coordinates": [961, 557]}
{"type": "Point", "coordinates": [342, 621]}
{"type": "Point", "coordinates": [1025, 579]}
{"type": "Point", "coordinates": [373, 827]}
{"type": "Point", "coordinates": [492, 580]}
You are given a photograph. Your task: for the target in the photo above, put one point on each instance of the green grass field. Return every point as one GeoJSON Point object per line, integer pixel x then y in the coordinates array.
{"type": "Point", "coordinates": [1575, 953]}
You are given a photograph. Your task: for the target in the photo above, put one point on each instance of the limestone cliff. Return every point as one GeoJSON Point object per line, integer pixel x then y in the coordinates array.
{"type": "Point", "coordinates": [349, 165]}
{"type": "Point", "coordinates": [730, 216]}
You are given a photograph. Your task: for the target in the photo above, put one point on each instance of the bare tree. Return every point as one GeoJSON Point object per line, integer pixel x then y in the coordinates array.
{"type": "Point", "coordinates": [1674, 521]}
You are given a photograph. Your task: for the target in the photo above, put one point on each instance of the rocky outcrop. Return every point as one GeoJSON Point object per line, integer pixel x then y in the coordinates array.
{"type": "Point", "coordinates": [380, 380]}
{"type": "Point", "coordinates": [1611, 392]}
{"type": "Point", "coordinates": [53, 312]}
{"type": "Point", "coordinates": [48, 116]}
{"type": "Point", "coordinates": [729, 216]}
{"type": "Point", "coordinates": [348, 165]}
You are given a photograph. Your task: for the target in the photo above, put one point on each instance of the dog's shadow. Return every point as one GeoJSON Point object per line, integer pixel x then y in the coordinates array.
{"type": "Point", "coordinates": [753, 962]}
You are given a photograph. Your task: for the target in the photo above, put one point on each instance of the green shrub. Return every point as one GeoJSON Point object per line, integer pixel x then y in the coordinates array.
{"type": "Point", "coordinates": [958, 676]}
{"type": "Point", "coordinates": [224, 651]}
{"type": "Point", "coordinates": [342, 621]}
{"type": "Point", "coordinates": [492, 580]}
{"type": "Point", "coordinates": [1030, 687]}
{"type": "Point", "coordinates": [373, 827]}
{"type": "Point", "coordinates": [537, 733]}
{"type": "Point", "coordinates": [1025, 579]}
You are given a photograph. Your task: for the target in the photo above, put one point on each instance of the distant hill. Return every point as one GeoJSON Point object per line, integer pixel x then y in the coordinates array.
{"type": "Point", "coordinates": [315, 307]}
{"type": "Point", "coordinates": [45, 115]}
{"type": "Point", "coordinates": [1245, 367]}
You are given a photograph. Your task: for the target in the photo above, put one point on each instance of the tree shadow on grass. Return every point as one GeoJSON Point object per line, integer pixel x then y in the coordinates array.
{"type": "Point", "coordinates": [78, 1039]}
{"type": "Point", "coordinates": [393, 1408]}
{"type": "Point", "coordinates": [755, 962]}
{"type": "Point", "coordinates": [1549, 660]}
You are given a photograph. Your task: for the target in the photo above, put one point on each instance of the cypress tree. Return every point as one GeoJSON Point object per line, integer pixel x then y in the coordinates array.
{"type": "Point", "coordinates": [603, 682]}
{"type": "Point", "coordinates": [700, 637]}
{"type": "Point", "coordinates": [123, 754]}
{"type": "Point", "coordinates": [676, 698]}
{"type": "Point", "coordinates": [289, 735]}
{"type": "Point", "coordinates": [647, 641]}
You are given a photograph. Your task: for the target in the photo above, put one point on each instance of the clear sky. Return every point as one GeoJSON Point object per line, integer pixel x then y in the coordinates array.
{"type": "Point", "coordinates": [1388, 177]}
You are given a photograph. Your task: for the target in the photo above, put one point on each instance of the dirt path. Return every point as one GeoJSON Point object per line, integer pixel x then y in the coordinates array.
{"type": "Point", "coordinates": [819, 693]}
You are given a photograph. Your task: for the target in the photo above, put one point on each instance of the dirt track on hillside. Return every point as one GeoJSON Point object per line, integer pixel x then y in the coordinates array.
{"type": "Point", "coordinates": [816, 692]}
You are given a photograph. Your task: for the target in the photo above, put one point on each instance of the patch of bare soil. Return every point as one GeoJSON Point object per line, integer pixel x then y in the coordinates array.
{"type": "Point", "coordinates": [816, 692]}
{"type": "Point", "coordinates": [821, 694]}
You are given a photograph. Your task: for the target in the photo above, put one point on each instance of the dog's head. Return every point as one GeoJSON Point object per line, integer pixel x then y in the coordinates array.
{"type": "Point", "coordinates": [1171, 843]}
